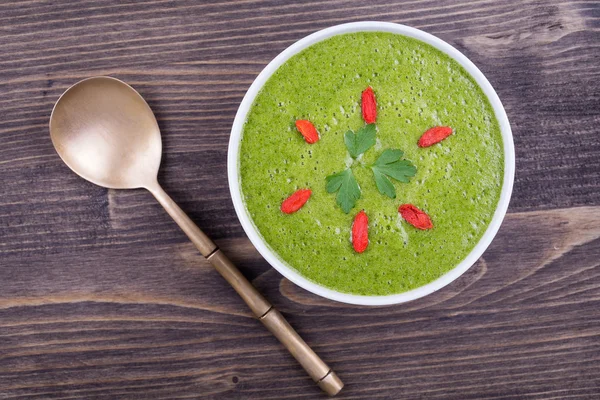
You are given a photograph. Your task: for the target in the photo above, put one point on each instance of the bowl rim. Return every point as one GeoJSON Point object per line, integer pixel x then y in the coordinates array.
{"type": "Point", "coordinates": [291, 274]}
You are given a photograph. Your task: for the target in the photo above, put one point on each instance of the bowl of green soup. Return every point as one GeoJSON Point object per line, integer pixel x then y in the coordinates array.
{"type": "Point", "coordinates": [371, 163]}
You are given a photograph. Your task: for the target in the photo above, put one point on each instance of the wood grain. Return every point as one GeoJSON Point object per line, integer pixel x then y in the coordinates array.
{"type": "Point", "coordinates": [103, 298]}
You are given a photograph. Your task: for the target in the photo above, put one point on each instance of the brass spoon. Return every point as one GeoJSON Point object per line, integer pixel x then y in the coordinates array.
{"type": "Point", "coordinates": [106, 133]}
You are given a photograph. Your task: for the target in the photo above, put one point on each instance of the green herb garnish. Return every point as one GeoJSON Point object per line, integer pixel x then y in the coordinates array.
{"type": "Point", "coordinates": [347, 188]}
{"type": "Point", "coordinates": [390, 165]}
{"type": "Point", "coordinates": [361, 141]}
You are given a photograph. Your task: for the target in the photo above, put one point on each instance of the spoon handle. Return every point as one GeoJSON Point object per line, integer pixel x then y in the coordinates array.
{"type": "Point", "coordinates": [327, 380]}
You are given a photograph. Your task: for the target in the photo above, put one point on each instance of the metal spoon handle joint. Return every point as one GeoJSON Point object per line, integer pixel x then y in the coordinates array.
{"type": "Point", "coordinates": [327, 380]}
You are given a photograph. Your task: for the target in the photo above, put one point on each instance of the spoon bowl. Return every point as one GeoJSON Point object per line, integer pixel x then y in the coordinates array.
{"type": "Point", "coordinates": [106, 132]}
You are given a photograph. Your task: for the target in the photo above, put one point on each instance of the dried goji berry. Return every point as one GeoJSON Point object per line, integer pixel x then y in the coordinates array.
{"type": "Point", "coordinates": [360, 232]}
{"type": "Point", "coordinates": [434, 135]}
{"type": "Point", "coordinates": [308, 130]}
{"type": "Point", "coordinates": [417, 218]}
{"type": "Point", "coordinates": [369, 106]}
{"type": "Point", "coordinates": [295, 201]}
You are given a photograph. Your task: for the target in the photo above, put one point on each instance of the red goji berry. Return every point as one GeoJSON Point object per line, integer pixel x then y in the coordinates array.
{"type": "Point", "coordinates": [417, 218]}
{"type": "Point", "coordinates": [434, 135]}
{"type": "Point", "coordinates": [360, 232]}
{"type": "Point", "coordinates": [308, 130]}
{"type": "Point", "coordinates": [369, 106]}
{"type": "Point", "coordinates": [295, 201]}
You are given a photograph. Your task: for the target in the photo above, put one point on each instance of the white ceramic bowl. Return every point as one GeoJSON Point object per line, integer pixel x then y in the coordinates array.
{"type": "Point", "coordinates": [290, 273]}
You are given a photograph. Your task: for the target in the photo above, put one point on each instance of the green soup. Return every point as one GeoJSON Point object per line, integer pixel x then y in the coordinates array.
{"type": "Point", "coordinates": [458, 180]}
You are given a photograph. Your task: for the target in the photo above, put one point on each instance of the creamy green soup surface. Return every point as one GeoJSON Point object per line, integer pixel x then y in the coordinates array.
{"type": "Point", "coordinates": [458, 180]}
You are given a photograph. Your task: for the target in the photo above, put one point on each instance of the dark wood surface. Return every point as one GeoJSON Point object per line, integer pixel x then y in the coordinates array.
{"type": "Point", "coordinates": [102, 297]}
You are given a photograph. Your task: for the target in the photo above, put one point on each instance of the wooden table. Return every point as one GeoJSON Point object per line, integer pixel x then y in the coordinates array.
{"type": "Point", "coordinates": [102, 297]}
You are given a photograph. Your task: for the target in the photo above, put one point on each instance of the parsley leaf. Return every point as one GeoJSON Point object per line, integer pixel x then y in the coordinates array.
{"type": "Point", "coordinates": [361, 141]}
{"type": "Point", "coordinates": [347, 188]}
{"type": "Point", "coordinates": [390, 165]}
